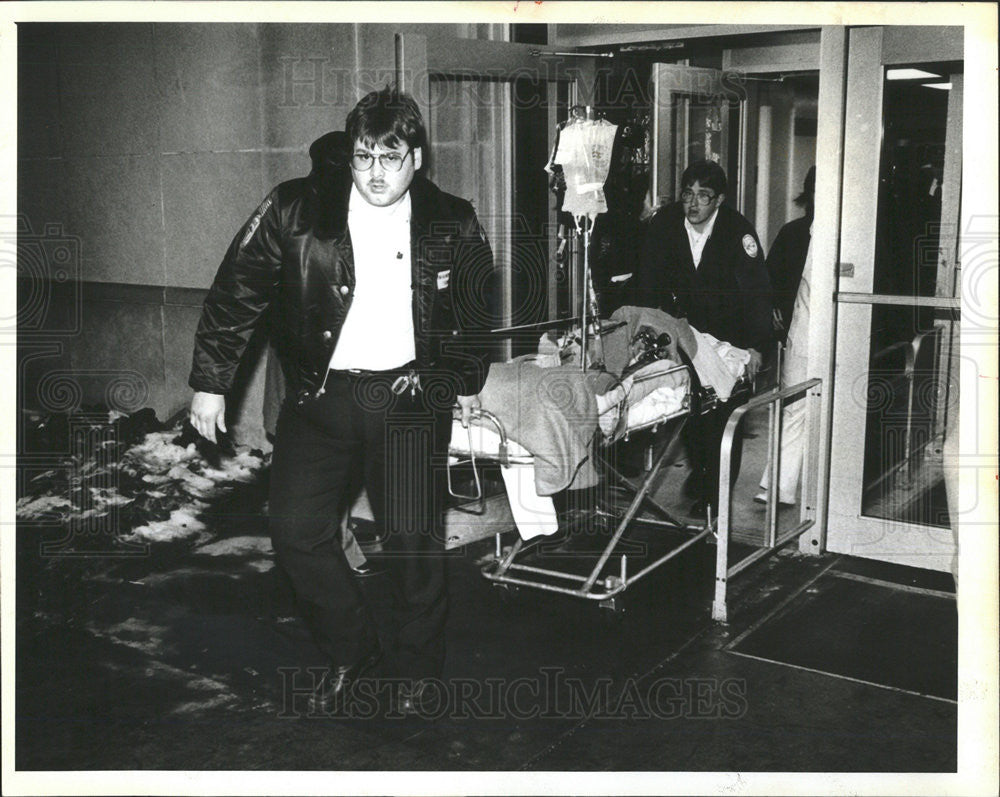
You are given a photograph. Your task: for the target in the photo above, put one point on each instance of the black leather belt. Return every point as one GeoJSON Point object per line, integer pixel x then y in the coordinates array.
{"type": "Point", "coordinates": [404, 378]}
{"type": "Point", "coordinates": [357, 373]}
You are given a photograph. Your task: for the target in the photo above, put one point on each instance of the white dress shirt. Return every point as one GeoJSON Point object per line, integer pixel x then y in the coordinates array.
{"type": "Point", "coordinates": [697, 240]}
{"type": "Point", "coordinates": [378, 331]}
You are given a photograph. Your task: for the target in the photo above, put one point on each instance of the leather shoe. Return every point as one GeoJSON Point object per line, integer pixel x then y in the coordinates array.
{"type": "Point", "coordinates": [367, 570]}
{"type": "Point", "coordinates": [331, 692]}
{"type": "Point", "coordinates": [411, 698]}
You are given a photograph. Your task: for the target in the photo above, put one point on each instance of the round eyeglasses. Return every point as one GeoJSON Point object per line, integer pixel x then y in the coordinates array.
{"type": "Point", "coordinates": [391, 161]}
{"type": "Point", "coordinates": [704, 198]}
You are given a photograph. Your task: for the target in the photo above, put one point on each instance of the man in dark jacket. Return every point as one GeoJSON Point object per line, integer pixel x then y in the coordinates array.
{"type": "Point", "coordinates": [330, 155]}
{"type": "Point", "coordinates": [702, 260]}
{"type": "Point", "coordinates": [377, 280]}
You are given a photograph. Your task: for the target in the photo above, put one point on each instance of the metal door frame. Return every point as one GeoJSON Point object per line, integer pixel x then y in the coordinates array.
{"type": "Point", "coordinates": [870, 50]}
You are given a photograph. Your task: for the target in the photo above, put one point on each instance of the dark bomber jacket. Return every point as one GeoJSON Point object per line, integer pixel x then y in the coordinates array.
{"type": "Point", "coordinates": [294, 256]}
{"type": "Point", "coordinates": [728, 295]}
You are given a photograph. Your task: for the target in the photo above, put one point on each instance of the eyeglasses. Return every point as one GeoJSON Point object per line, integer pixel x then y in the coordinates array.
{"type": "Point", "coordinates": [704, 198]}
{"type": "Point", "coordinates": [390, 161]}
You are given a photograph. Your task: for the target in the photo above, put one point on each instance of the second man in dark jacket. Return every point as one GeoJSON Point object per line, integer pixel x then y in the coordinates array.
{"type": "Point", "coordinates": [702, 260]}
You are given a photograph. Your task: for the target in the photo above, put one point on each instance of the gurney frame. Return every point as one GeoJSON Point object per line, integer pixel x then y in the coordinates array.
{"type": "Point", "coordinates": [504, 570]}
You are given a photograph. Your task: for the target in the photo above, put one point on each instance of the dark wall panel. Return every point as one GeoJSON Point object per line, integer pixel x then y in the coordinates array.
{"type": "Point", "coordinates": [114, 205]}
{"type": "Point", "coordinates": [108, 98]}
{"type": "Point", "coordinates": [209, 79]}
{"type": "Point", "coordinates": [308, 74]}
{"type": "Point", "coordinates": [207, 196]}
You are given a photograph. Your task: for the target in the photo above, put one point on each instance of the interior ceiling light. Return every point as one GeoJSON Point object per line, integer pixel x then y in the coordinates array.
{"type": "Point", "coordinates": [908, 74]}
{"type": "Point", "coordinates": [944, 86]}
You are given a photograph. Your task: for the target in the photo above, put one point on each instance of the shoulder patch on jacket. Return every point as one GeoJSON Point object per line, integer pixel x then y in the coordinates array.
{"type": "Point", "coordinates": [749, 245]}
{"type": "Point", "coordinates": [255, 221]}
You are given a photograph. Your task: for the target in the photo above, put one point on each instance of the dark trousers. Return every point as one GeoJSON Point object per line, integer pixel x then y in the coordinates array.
{"type": "Point", "coordinates": [703, 440]}
{"type": "Point", "coordinates": [396, 444]}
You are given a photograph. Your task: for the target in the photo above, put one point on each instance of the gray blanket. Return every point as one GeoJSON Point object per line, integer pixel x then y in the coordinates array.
{"type": "Point", "coordinates": [552, 412]}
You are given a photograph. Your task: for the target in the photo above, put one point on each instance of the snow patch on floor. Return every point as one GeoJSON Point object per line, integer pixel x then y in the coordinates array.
{"type": "Point", "coordinates": [29, 508]}
{"type": "Point", "coordinates": [157, 452]}
{"type": "Point", "coordinates": [194, 707]}
{"type": "Point", "coordinates": [182, 524]}
{"type": "Point", "coordinates": [237, 546]}
{"type": "Point", "coordinates": [134, 633]}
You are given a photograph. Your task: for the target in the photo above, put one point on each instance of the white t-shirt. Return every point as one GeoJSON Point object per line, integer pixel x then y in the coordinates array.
{"type": "Point", "coordinates": [378, 332]}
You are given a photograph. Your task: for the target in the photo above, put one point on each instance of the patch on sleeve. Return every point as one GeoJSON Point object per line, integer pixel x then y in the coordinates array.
{"type": "Point", "coordinates": [443, 278]}
{"type": "Point", "coordinates": [255, 221]}
{"type": "Point", "coordinates": [749, 245]}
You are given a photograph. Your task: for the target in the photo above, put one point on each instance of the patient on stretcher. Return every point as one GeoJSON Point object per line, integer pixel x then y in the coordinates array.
{"type": "Point", "coordinates": [552, 411]}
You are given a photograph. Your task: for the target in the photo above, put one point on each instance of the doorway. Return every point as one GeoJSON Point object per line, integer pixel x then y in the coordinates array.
{"type": "Point", "coordinates": [895, 396]}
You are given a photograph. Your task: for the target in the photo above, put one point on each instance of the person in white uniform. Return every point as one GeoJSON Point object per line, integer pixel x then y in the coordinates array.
{"type": "Point", "coordinates": [793, 370]}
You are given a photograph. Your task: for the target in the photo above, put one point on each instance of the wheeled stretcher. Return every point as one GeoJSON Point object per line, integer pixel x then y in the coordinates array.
{"type": "Point", "coordinates": [657, 399]}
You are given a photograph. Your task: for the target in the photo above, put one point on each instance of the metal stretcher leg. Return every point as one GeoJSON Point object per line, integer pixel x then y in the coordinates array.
{"type": "Point", "coordinates": [670, 522]}
{"type": "Point", "coordinates": [633, 508]}
{"type": "Point", "coordinates": [514, 551]}
{"type": "Point", "coordinates": [502, 569]}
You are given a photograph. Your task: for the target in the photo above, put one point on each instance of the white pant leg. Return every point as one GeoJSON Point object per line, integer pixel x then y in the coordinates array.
{"type": "Point", "coordinates": [793, 425]}
{"type": "Point", "coordinates": [793, 422]}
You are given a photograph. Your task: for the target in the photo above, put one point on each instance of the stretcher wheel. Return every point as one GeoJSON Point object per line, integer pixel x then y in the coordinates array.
{"type": "Point", "coordinates": [509, 596]}
{"type": "Point", "coordinates": [614, 607]}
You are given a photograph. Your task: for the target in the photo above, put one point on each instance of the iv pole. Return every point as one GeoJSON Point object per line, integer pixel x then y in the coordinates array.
{"type": "Point", "coordinates": [589, 311]}
{"type": "Point", "coordinates": [589, 299]}
{"type": "Point", "coordinates": [585, 293]}
{"type": "Point", "coordinates": [584, 225]}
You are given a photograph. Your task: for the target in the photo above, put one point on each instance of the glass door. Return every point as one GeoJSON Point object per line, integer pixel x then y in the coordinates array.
{"type": "Point", "coordinates": [696, 117]}
{"type": "Point", "coordinates": [896, 392]}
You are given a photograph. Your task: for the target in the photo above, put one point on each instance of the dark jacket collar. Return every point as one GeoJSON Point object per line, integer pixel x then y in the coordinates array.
{"type": "Point", "coordinates": [423, 198]}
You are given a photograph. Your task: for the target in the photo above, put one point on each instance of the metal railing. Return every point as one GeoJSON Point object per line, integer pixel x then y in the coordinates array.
{"type": "Point", "coordinates": [775, 401]}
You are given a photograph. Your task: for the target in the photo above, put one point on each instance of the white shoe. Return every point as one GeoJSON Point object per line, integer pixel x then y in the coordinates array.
{"type": "Point", "coordinates": [761, 498]}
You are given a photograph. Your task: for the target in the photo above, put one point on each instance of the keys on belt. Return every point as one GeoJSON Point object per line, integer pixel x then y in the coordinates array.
{"type": "Point", "coordinates": [405, 381]}
{"type": "Point", "coordinates": [410, 381]}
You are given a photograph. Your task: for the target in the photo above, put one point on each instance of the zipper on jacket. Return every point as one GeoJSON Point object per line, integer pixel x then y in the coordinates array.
{"type": "Point", "coordinates": [304, 394]}
{"type": "Point", "coordinates": [322, 387]}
